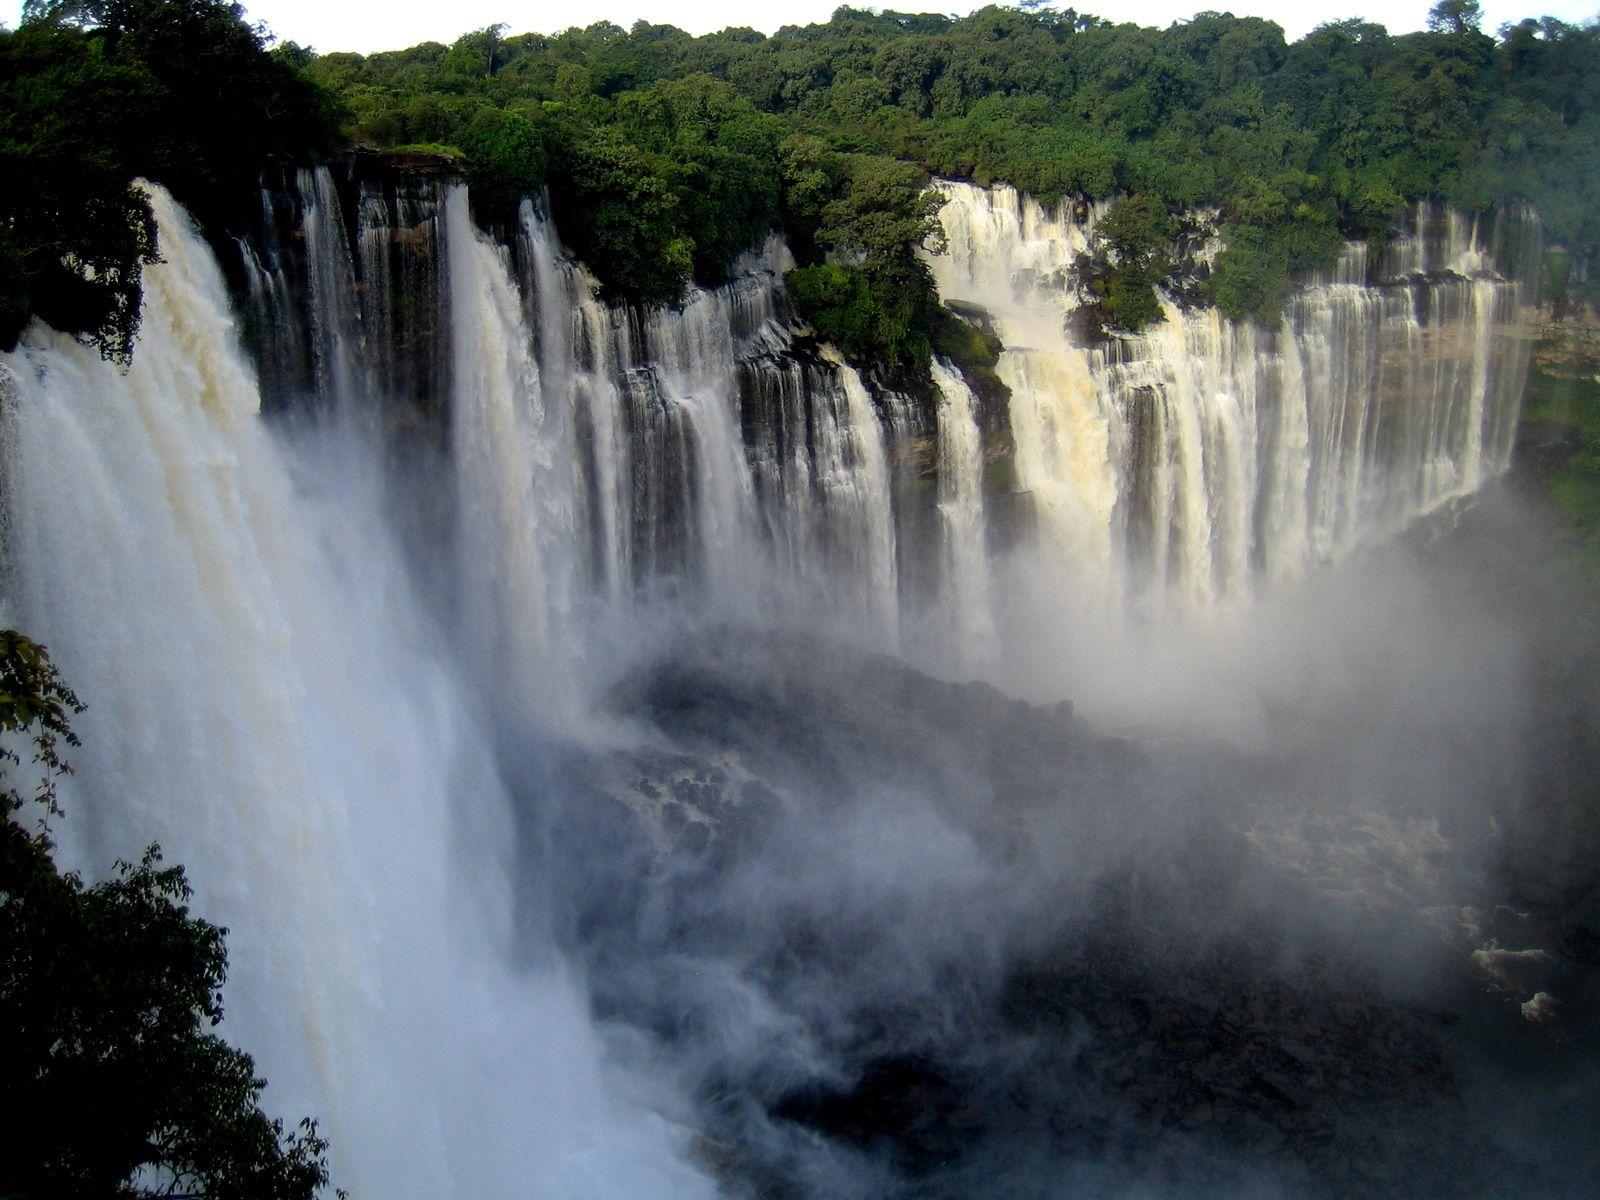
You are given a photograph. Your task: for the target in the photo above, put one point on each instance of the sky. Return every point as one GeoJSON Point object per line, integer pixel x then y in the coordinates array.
{"type": "Point", "coordinates": [368, 25]}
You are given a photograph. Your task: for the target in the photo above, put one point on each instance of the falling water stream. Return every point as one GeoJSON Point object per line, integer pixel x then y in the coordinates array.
{"type": "Point", "coordinates": [307, 719]}
{"type": "Point", "coordinates": [267, 701]}
{"type": "Point", "coordinates": [1189, 462]}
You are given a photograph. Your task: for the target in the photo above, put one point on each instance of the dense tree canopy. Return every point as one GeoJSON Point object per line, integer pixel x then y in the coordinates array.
{"type": "Point", "coordinates": [1299, 144]}
{"type": "Point", "coordinates": [111, 1080]}
{"type": "Point", "coordinates": [1139, 229]}
{"type": "Point", "coordinates": [99, 93]}
{"type": "Point", "coordinates": [667, 155]}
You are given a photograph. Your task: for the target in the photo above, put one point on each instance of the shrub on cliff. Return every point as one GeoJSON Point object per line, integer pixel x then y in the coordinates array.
{"type": "Point", "coordinates": [619, 215]}
{"type": "Point", "coordinates": [1139, 231]}
{"type": "Point", "coordinates": [868, 216]}
{"type": "Point", "coordinates": [974, 352]}
{"type": "Point", "coordinates": [507, 160]}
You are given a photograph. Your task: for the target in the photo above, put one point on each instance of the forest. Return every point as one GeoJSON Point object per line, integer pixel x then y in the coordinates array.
{"type": "Point", "coordinates": [665, 156]}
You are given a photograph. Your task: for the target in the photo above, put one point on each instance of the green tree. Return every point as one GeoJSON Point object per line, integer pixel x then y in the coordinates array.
{"type": "Point", "coordinates": [837, 300]}
{"type": "Point", "coordinates": [75, 234]}
{"type": "Point", "coordinates": [719, 157]}
{"type": "Point", "coordinates": [620, 215]}
{"type": "Point", "coordinates": [507, 160]}
{"type": "Point", "coordinates": [479, 52]}
{"type": "Point", "coordinates": [1299, 145]}
{"type": "Point", "coordinates": [1139, 231]}
{"type": "Point", "coordinates": [1455, 16]}
{"type": "Point", "coordinates": [183, 92]}
{"type": "Point", "coordinates": [872, 215]}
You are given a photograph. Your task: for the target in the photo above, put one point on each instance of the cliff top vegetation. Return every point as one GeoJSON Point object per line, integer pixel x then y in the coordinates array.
{"type": "Point", "coordinates": [666, 155]}
{"type": "Point", "coordinates": [713, 139]}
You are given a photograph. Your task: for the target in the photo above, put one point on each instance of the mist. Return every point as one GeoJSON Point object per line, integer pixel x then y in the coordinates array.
{"type": "Point", "coordinates": [1232, 930]}
{"type": "Point", "coordinates": [654, 785]}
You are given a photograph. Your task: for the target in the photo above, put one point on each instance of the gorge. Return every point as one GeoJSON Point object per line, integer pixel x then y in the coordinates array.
{"type": "Point", "coordinates": [460, 631]}
{"type": "Point", "coordinates": [915, 607]}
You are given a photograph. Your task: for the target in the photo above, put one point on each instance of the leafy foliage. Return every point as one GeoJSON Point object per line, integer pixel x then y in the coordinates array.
{"type": "Point", "coordinates": [98, 93]}
{"type": "Point", "coordinates": [1563, 405]}
{"type": "Point", "coordinates": [508, 159]}
{"type": "Point", "coordinates": [837, 300]}
{"type": "Point", "coordinates": [718, 156]}
{"type": "Point", "coordinates": [621, 216]}
{"type": "Point", "coordinates": [667, 155]}
{"type": "Point", "coordinates": [974, 351]}
{"type": "Point", "coordinates": [74, 232]}
{"type": "Point", "coordinates": [1300, 144]}
{"type": "Point", "coordinates": [113, 1085]}
{"type": "Point", "coordinates": [1139, 231]}
{"type": "Point", "coordinates": [875, 297]}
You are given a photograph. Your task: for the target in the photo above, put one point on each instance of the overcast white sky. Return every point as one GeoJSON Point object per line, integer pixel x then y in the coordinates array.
{"type": "Point", "coordinates": [368, 25]}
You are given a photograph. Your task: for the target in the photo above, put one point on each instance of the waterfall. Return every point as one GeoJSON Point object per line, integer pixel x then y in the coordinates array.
{"type": "Point", "coordinates": [965, 567]}
{"type": "Point", "coordinates": [705, 457]}
{"type": "Point", "coordinates": [581, 348]}
{"type": "Point", "coordinates": [268, 701]}
{"type": "Point", "coordinates": [338, 341]}
{"type": "Point", "coordinates": [688, 401]}
{"type": "Point", "coordinates": [400, 256]}
{"type": "Point", "coordinates": [511, 456]}
{"type": "Point", "coordinates": [853, 475]}
{"type": "Point", "coordinates": [1017, 261]}
{"type": "Point", "coordinates": [1178, 467]}
{"type": "Point", "coordinates": [310, 640]}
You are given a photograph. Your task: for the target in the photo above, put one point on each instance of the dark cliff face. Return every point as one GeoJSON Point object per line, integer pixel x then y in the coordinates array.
{"type": "Point", "coordinates": [383, 281]}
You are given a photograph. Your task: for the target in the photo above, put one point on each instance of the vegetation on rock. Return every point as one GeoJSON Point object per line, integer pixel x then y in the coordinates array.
{"type": "Point", "coordinates": [975, 352]}
{"type": "Point", "coordinates": [1561, 421]}
{"type": "Point", "coordinates": [1139, 231]}
{"type": "Point", "coordinates": [1300, 144]}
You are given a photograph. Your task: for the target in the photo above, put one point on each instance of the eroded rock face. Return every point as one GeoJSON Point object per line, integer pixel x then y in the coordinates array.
{"type": "Point", "coordinates": [912, 937]}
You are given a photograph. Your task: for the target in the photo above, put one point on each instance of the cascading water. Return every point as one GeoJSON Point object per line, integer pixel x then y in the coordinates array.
{"type": "Point", "coordinates": [853, 474]}
{"type": "Point", "coordinates": [267, 701]}
{"type": "Point", "coordinates": [702, 454]}
{"type": "Point", "coordinates": [274, 702]}
{"type": "Point", "coordinates": [1017, 262]}
{"type": "Point", "coordinates": [270, 315]}
{"type": "Point", "coordinates": [400, 242]}
{"type": "Point", "coordinates": [1180, 465]}
{"type": "Point", "coordinates": [338, 337]}
{"type": "Point", "coordinates": [961, 512]}
{"type": "Point", "coordinates": [511, 456]}
{"type": "Point", "coordinates": [309, 647]}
